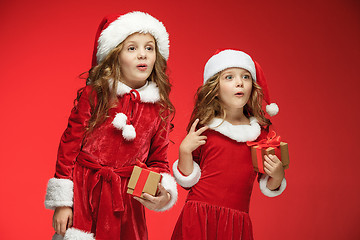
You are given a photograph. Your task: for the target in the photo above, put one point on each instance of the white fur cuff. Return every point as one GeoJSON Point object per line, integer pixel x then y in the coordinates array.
{"type": "Point", "coordinates": [59, 193]}
{"type": "Point", "coordinates": [267, 192]}
{"type": "Point", "coordinates": [76, 234]}
{"type": "Point", "coordinates": [187, 181]}
{"type": "Point", "coordinates": [168, 182]}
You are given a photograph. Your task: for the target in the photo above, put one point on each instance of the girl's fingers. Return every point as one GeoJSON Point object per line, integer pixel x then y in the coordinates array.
{"type": "Point", "coordinates": [70, 222]}
{"type": "Point", "coordinates": [201, 130]}
{"type": "Point", "coordinates": [162, 190]}
{"type": "Point", "coordinates": [202, 142]}
{"type": "Point", "coordinates": [63, 229]}
{"type": "Point", "coordinates": [193, 126]}
{"type": "Point", "coordinates": [149, 197]}
{"type": "Point", "coordinates": [268, 160]}
{"type": "Point", "coordinates": [266, 170]}
{"type": "Point", "coordinates": [268, 166]}
{"type": "Point", "coordinates": [58, 228]}
{"type": "Point", "coordinates": [202, 137]}
{"type": "Point", "coordinates": [142, 201]}
{"type": "Point", "coordinates": [274, 158]}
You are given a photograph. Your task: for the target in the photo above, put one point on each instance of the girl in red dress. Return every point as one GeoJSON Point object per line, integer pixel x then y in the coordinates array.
{"type": "Point", "coordinates": [121, 119]}
{"type": "Point", "coordinates": [214, 159]}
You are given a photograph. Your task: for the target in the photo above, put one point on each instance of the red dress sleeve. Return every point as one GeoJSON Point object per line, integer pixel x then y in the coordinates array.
{"type": "Point", "coordinates": [159, 147]}
{"type": "Point", "coordinates": [71, 140]}
{"type": "Point", "coordinates": [158, 159]}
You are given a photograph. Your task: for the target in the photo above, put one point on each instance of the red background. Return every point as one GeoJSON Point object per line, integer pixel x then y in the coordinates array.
{"type": "Point", "coordinates": [309, 51]}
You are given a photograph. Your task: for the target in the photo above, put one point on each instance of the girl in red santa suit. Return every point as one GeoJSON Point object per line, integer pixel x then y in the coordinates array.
{"type": "Point", "coordinates": [214, 158]}
{"type": "Point", "coordinates": [121, 119]}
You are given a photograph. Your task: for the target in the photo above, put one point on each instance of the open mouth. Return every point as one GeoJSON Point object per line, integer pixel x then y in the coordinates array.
{"type": "Point", "coordinates": [142, 67]}
{"type": "Point", "coordinates": [239, 94]}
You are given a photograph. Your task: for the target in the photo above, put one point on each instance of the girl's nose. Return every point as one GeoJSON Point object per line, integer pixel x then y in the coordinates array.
{"type": "Point", "coordinates": [141, 54]}
{"type": "Point", "coordinates": [239, 82]}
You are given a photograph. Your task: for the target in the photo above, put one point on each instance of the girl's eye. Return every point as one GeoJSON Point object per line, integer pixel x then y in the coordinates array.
{"type": "Point", "coordinates": [131, 48]}
{"type": "Point", "coordinates": [229, 77]}
{"type": "Point", "coordinates": [246, 76]}
{"type": "Point", "coordinates": [149, 48]}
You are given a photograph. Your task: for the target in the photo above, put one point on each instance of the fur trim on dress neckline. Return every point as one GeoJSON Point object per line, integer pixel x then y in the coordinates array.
{"type": "Point", "coordinates": [239, 133]}
{"type": "Point", "coordinates": [149, 93]}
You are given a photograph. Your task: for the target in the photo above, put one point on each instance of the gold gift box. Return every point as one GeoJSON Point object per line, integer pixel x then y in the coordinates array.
{"type": "Point", "coordinates": [148, 185]}
{"type": "Point", "coordinates": [283, 156]}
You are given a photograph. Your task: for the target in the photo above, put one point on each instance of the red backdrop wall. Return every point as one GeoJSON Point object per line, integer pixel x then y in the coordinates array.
{"type": "Point", "coordinates": [309, 51]}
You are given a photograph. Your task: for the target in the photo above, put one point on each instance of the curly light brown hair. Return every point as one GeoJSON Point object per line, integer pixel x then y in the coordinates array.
{"type": "Point", "coordinates": [208, 105]}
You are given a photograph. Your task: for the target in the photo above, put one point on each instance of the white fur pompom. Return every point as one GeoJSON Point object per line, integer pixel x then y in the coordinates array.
{"type": "Point", "coordinates": [129, 132]}
{"type": "Point", "coordinates": [119, 121]}
{"type": "Point", "coordinates": [272, 109]}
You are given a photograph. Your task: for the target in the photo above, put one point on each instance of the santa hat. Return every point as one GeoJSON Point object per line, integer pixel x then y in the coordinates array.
{"type": "Point", "coordinates": [115, 29]}
{"type": "Point", "coordinates": [233, 58]}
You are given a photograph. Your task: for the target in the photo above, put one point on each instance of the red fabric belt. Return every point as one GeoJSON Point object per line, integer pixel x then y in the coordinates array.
{"type": "Point", "coordinates": [108, 175]}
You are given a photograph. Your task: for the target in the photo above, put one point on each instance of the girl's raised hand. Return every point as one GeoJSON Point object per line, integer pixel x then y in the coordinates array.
{"type": "Point", "coordinates": [62, 219]}
{"type": "Point", "coordinates": [194, 139]}
{"type": "Point", "coordinates": [274, 168]}
{"type": "Point", "coordinates": [158, 202]}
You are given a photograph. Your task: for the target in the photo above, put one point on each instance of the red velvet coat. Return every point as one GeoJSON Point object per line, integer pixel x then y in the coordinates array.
{"type": "Point", "coordinates": [100, 164]}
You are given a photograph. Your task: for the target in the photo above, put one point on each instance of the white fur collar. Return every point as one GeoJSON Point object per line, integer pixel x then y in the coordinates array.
{"type": "Point", "coordinates": [149, 93]}
{"type": "Point", "coordinates": [239, 133]}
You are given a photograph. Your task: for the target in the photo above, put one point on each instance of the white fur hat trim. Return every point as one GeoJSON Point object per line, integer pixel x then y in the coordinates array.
{"type": "Point", "coordinates": [130, 23]}
{"type": "Point", "coordinates": [228, 59]}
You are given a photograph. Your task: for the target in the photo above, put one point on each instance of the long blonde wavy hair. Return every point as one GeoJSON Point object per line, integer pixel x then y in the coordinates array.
{"type": "Point", "coordinates": [207, 104]}
{"type": "Point", "coordinates": [109, 68]}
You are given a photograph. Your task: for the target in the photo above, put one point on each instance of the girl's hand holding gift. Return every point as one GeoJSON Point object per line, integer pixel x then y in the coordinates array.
{"type": "Point", "coordinates": [274, 168]}
{"type": "Point", "coordinates": [62, 219]}
{"type": "Point", "coordinates": [155, 203]}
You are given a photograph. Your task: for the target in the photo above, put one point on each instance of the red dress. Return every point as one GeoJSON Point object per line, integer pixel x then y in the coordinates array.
{"type": "Point", "coordinates": [99, 166]}
{"type": "Point", "coordinates": [217, 206]}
